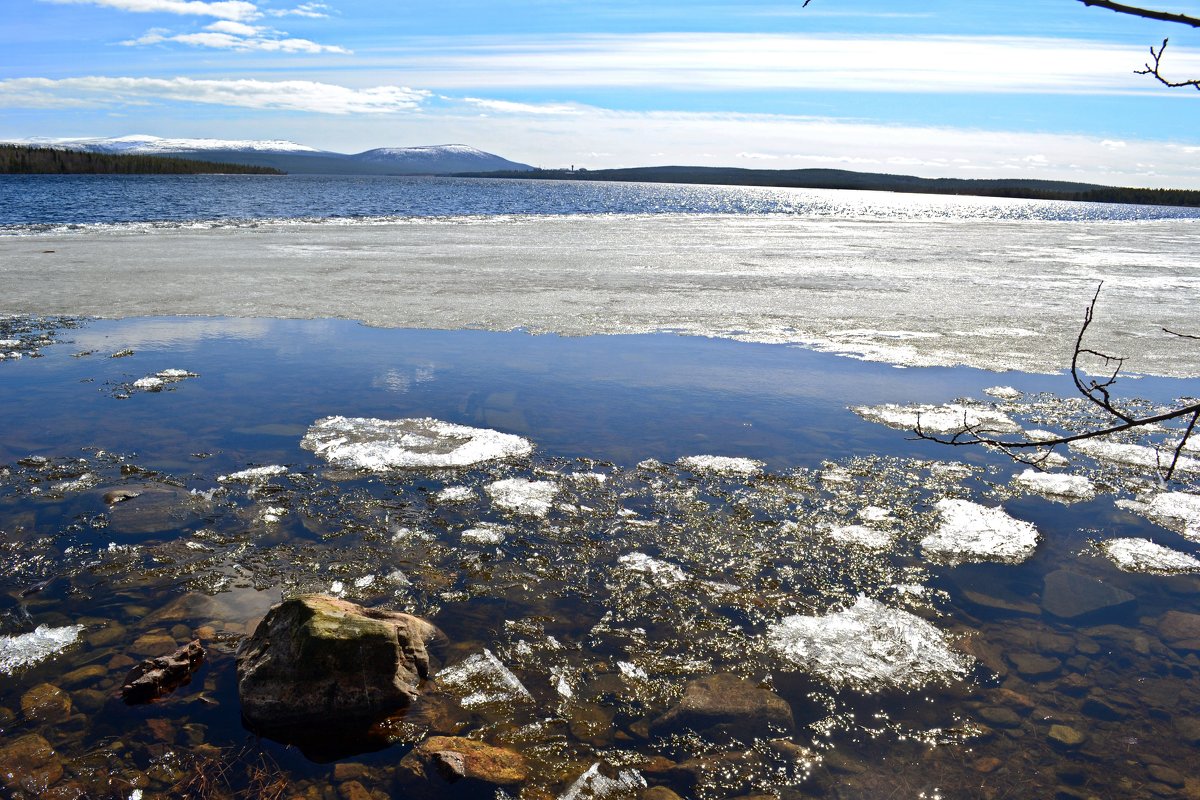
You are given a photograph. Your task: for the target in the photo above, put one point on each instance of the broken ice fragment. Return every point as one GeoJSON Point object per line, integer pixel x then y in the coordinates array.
{"type": "Point", "coordinates": [1133, 455]}
{"type": "Point", "coordinates": [485, 533]}
{"type": "Point", "coordinates": [481, 679]}
{"type": "Point", "coordinates": [379, 444]}
{"type": "Point", "coordinates": [868, 647]}
{"type": "Point", "coordinates": [1065, 488]}
{"type": "Point", "coordinates": [1003, 392]}
{"type": "Point", "coordinates": [521, 496]}
{"type": "Point", "coordinates": [455, 494]}
{"type": "Point", "coordinates": [27, 649]}
{"type": "Point", "coordinates": [1143, 555]}
{"type": "Point", "coordinates": [1179, 511]}
{"type": "Point", "coordinates": [660, 572]}
{"type": "Point", "coordinates": [939, 419]}
{"type": "Point", "coordinates": [971, 532]}
{"type": "Point", "coordinates": [595, 785]}
{"type": "Point", "coordinates": [253, 474]}
{"type": "Point", "coordinates": [721, 465]}
{"type": "Point", "coordinates": [861, 536]}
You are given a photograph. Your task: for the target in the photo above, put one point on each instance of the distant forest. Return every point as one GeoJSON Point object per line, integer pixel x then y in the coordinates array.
{"type": "Point", "coordinates": [23, 160]}
{"type": "Point", "coordinates": [845, 179]}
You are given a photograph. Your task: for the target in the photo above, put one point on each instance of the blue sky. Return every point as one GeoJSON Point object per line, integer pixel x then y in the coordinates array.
{"type": "Point", "coordinates": [1040, 88]}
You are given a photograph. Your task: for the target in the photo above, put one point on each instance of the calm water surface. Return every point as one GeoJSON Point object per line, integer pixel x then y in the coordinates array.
{"type": "Point", "coordinates": [561, 600]}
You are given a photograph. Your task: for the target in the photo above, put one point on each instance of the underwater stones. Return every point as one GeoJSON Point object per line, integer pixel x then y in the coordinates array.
{"type": "Point", "coordinates": [725, 705]}
{"type": "Point", "coordinates": [1181, 629]}
{"type": "Point", "coordinates": [158, 677]}
{"type": "Point", "coordinates": [318, 660]}
{"type": "Point", "coordinates": [1033, 666]}
{"type": "Point", "coordinates": [29, 764]}
{"type": "Point", "coordinates": [465, 763]}
{"type": "Point", "coordinates": [414, 443]}
{"type": "Point", "coordinates": [1066, 736]}
{"type": "Point", "coordinates": [154, 508]}
{"type": "Point", "coordinates": [1070, 595]}
{"type": "Point", "coordinates": [46, 703]}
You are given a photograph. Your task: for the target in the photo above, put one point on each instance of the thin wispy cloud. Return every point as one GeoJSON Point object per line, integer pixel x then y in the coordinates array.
{"type": "Point", "coordinates": [510, 107]}
{"type": "Point", "coordinates": [310, 10]}
{"type": "Point", "coordinates": [306, 96]}
{"type": "Point", "coordinates": [231, 35]}
{"type": "Point", "coordinates": [722, 61]}
{"type": "Point", "coordinates": [220, 9]}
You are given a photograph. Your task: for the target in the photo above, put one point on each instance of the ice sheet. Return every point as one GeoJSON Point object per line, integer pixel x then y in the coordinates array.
{"type": "Point", "coordinates": [722, 465]}
{"type": "Point", "coordinates": [1070, 488]}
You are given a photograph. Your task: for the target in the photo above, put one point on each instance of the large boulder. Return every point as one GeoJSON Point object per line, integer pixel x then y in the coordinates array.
{"type": "Point", "coordinates": [320, 661]}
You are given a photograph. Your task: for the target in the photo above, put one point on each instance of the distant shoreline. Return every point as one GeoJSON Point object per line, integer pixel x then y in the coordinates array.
{"type": "Point", "coordinates": [26, 160]}
{"type": "Point", "coordinates": [1023, 189]}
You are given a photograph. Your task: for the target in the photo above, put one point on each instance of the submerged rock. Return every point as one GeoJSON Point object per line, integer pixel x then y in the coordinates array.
{"type": "Point", "coordinates": [158, 677]}
{"type": "Point", "coordinates": [725, 705]}
{"type": "Point", "coordinates": [1070, 595]}
{"type": "Point", "coordinates": [46, 703]}
{"type": "Point", "coordinates": [319, 661]}
{"type": "Point", "coordinates": [29, 766]}
{"type": "Point", "coordinates": [468, 764]}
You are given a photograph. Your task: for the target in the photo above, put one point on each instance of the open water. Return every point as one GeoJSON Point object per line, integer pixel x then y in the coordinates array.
{"type": "Point", "coordinates": [690, 507]}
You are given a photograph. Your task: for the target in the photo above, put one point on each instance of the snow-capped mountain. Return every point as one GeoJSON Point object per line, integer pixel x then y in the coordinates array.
{"type": "Point", "coordinates": [140, 144]}
{"type": "Point", "coordinates": [444, 159]}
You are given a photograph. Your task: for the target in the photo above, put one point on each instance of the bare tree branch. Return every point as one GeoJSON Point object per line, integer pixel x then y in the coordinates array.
{"type": "Point", "coordinates": [1153, 70]}
{"type": "Point", "coordinates": [1145, 13]}
{"type": "Point", "coordinates": [1095, 391]}
{"type": "Point", "coordinates": [1181, 335]}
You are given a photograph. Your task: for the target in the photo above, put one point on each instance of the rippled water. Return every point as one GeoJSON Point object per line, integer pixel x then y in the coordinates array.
{"type": "Point", "coordinates": [649, 569]}
{"type": "Point", "coordinates": [39, 203]}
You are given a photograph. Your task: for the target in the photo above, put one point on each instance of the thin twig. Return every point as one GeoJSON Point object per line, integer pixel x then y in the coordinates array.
{"type": "Point", "coordinates": [1154, 70]}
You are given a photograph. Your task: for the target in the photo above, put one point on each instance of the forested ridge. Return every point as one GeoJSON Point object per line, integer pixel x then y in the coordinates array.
{"type": "Point", "coordinates": [18, 159]}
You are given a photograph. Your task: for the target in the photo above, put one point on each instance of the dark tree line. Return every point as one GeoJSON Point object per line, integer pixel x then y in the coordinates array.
{"type": "Point", "coordinates": [25, 160]}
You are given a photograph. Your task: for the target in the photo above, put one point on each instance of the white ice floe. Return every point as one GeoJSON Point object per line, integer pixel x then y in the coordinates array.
{"type": "Point", "coordinates": [482, 679]}
{"type": "Point", "coordinates": [27, 649]}
{"type": "Point", "coordinates": [595, 785]}
{"type": "Point", "coordinates": [485, 533]}
{"type": "Point", "coordinates": [10, 342]}
{"type": "Point", "coordinates": [950, 469]}
{"type": "Point", "coordinates": [938, 419]}
{"type": "Point", "coordinates": [1065, 488]}
{"type": "Point", "coordinates": [1179, 511]}
{"type": "Point", "coordinates": [869, 647]}
{"type": "Point", "coordinates": [1003, 392]}
{"type": "Point", "coordinates": [455, 494]}
{"type": "Point", "coordinates": [875, 514]}
{"type": "Point", "coordinates": [155, 382]}
{"type": "Point", "coordinates": [721, 465]}
{"type": "Point", "coordinates": [253, 474]}
{"type": "Point", "coordinates": [272, 515]}
{"type": "Point", "coordinates": [415, 443]}
{"type": "Point", "coordinates": [660, 573]}
{"type": "Point", "coordinates": [1143, 555]}
{"type": "Point", "coordinates": [1133, 455]}
{"type": "Point", "coordinates": [364, 581]}
{"type": "Point", "coordinates": [971, 532]}
{"type": "Point", "coordinates": [150, 383]}
{"type": "Point", "coordinates": [84, 481]}
{"type": "Point", "coordinates": [521, 496]}
{"type": "Point", "coordinates": [1039, 435]}
{"type": "Point", "coordinates": [861, 536]}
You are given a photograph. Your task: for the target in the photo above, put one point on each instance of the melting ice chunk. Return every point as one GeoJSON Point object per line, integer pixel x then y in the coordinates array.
{"type": "Point", "coordinates": [595, 785]}
{"type": "Point", "coordinates": [521, 496]}
{"type": "Point", "coordinates": [721, 465]}
{"type": "Point", "coordinates": [861, 536]}
{"type": "Point", "coordinates": [27, 649]}
{"type": "Point", "coordinates": [253, 474]}
{"type": "Point", "coordinates": [1178, 511]}
{"type": "Point", "coordinates": [485, 533]}
{"type": "Point", "coordinates": [455, 494]}
{"type": "Point", "coordinates": [971, 532]}
{"type": "Point", "coordinates": [1143, 555]}
{"type": "Point", "coordinates": [868, 647]}
{"type": "Point", "coordinates": [1133, 455]}
{"type": "Point", "coordinates": [414, 443]}
{"type": "Point", "coordinates": [939, 419]}
{"type": "Point", "coordinates": [660, 573]}
{"type": "Point", "coordinates": [1003, 392]}
{"type": "Point", "coordinates": [1067, 488]}
{"type": "Point", "coordinates": [482, 679]}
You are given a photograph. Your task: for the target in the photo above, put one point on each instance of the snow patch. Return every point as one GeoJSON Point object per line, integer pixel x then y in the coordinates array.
{"type": "Point", "coordinates": [1143, 555]}
{"type": "Point", "coordinates": [869, 647]}
{"type": "Point", "coordinates": [27, 649]}
{"type": "Point", "coordinates": [414, 443]}
{"type": "Point", "coordinates": [971, 532]}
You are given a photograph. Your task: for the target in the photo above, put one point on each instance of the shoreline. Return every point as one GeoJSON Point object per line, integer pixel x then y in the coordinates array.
{"type": "Point", "coordinates": [903, 292]}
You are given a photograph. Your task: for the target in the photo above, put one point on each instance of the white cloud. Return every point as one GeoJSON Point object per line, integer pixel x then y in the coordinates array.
{"type": "Point", "coordinates": [310, 10]}
{"type": "Point", "coordinates": [758, 156]}
{"type": "Point", "coordinates": [235, 28]}
{"type": "Point", "coordinates": [509, 107]}
{"type": "Point", "coordinates": [228, 35]}
{"type": "Point", "coordinates": [725, 61]}
{"type": "Point", "coordinates": [221, 9]}
{"type": "Point", "coordinates": [307, 96]}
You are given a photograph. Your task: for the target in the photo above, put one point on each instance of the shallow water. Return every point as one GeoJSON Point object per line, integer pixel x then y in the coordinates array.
{"type": "Point", "coordinates": [646, 570]}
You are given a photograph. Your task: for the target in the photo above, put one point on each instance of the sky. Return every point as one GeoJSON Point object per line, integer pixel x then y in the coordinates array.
{"type": "Point", "coordinates": [939, 88]}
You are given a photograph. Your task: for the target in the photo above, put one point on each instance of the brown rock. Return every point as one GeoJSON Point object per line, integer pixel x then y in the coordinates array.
{"type": "Point", "coordinates": [1070, 595]}
{"type": "Point", "coordinates": [150, 644]}
{"type": "Point", "coordinates": [29, 764]}
{"type": "Point", "coordinates": [659, 793]}
{"type": "Point", "coordinates": [725, 705]}
{"type": "Point", "coordinates": [83, 675]}
{"type": "Point", "coordinates": [46, 703]}
{"type": "Point", "coordinates": [353, 790]}
{"type": "Point", "coordinates": [442, 760]}
{"type": "Point", "coordinates": [1034, 666]}
{"type": "Point", "coordinates": [1066, 736]}
{"type": "Point", "coordinates": [986, 764]}
{"type": "Point", "coordinates": [158, 677]}
{"type": "Point", "coordinates": [1176, 626]}
{"type": "Point", "coordinates": [1164, 774]}
{"type": "Point", "coordinates": [323, 662]}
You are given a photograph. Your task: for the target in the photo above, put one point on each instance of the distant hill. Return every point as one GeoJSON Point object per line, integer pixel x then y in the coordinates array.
{"type": "Point", "coordinates": [25, 160]}
{"type": "Point", "coordinates": [300, 159]}
{"type": "Point", "coordinates": [873, 181]}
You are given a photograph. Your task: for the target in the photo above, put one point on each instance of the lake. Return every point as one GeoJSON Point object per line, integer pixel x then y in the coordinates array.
{"type": "Point", "coordinates": [935, 620]}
